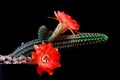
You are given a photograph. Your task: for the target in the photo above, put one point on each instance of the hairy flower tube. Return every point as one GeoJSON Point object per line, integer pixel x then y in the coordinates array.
{"type": "Point", "coordinates": [65, 23]}
{"type": "Point", "coordinates": [47, 57]}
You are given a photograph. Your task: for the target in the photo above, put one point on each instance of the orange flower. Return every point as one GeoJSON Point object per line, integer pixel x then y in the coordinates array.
{"type": "Point", "coordinates": [47, 58]}
{"type": "Point", "coordinates": [65, 22]}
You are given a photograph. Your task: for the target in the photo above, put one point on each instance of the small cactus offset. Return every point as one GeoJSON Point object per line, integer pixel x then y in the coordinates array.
{"type": "Point", "coordinates": [65, 41]}
{"type": "Point", "coordinates": [42, 32]}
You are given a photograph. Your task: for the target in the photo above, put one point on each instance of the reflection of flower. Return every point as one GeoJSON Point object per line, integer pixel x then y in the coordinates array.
{"type": "Point", "coordinates": [65, 22]}
{"type": "Point", "coordinates": [47, 58]}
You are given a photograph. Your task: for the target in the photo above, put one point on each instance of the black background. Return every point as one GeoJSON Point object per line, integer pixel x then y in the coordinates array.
{"type": "Point", "coordinates": [19, 22]}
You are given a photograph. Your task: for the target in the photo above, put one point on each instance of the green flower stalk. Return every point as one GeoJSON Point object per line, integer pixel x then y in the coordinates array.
{"type": "Point", "coordinates": [60, 29]}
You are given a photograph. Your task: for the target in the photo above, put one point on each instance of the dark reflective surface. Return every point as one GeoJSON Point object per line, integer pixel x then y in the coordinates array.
{"type": "Point", "coordinates": [17, 72]}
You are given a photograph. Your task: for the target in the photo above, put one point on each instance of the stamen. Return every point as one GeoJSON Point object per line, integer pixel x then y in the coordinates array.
{"type": "Point", "coordinates": [45, 58]}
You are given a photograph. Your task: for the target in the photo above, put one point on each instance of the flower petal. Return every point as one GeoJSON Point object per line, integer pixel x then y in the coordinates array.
{"type": "Point", "coordinates": [34, 56]}
{"type": "Point", "coordinates": [67, 21]}
{"type": "Point", "coordinates": [36, 47]}
{"type": "Point", "coordinates": [39, 70]}
{"type": "Point", "coordinates": [43, 45]}
{"type": "Point", "coordinates": [47, 58]}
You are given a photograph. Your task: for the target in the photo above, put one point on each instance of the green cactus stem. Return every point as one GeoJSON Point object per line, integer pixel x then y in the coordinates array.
{"type": "Point", "coordinates": [65, 41]}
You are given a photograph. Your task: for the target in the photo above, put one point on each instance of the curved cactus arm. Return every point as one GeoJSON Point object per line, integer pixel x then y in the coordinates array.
{"type": "Point", "coordinates": [61, 42]}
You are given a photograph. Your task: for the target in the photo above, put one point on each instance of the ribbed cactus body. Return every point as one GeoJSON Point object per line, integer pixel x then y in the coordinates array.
{"type": "Point", "coordinates": [80, 39]}
{"type": "Point", "coordinates": [65, 41]}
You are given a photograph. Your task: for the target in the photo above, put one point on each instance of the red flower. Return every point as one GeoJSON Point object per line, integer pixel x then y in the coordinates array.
{"type": "Point", "coordinates": [47, 58]}
{"type": "Point", "coordinates": [67, 21]}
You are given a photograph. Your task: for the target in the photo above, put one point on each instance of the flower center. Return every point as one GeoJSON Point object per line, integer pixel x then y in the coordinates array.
{"type": "Point", "coordinates": [45, 58]}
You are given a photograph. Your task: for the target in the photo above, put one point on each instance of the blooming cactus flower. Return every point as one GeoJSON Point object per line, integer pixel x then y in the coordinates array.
{"type": "Point", "coordinates": [47, 57]}
{"type": "Point", "coordinates": [65, 22]}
